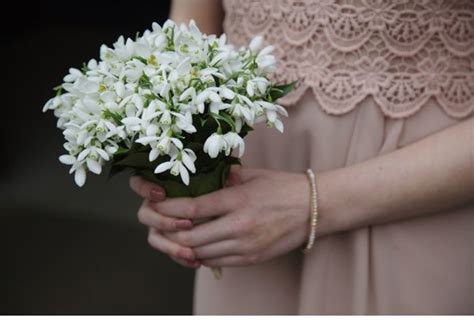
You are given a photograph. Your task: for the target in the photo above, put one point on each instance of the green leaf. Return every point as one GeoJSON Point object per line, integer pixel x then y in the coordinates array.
{"type": "Point", "coordinates": [199, 184]}
{"type": "Point", "coordinates": [84, 68]}
{"type": "Point", "coordinates": [121, 150]}
{"type": "Point", "coordinates": [277, 92]}
{"type": "Point", "coordinates": [137, 160]}
{"type": "Point", "coordinates": [58, 90]}
{"type": "Point", "coordinates": [107, 114]}
{"type": "Point", "coordinates": [145, 82]}
{"type": "Point", "coordinates": [141, 59]}
{"type": "Point", "coordinates": [245, 130]}
{"type": "Point", "coordinates": [224, 117]}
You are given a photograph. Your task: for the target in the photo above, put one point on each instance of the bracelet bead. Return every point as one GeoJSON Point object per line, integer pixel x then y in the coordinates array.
{"type": "Point", "coordinates": [314, 211]}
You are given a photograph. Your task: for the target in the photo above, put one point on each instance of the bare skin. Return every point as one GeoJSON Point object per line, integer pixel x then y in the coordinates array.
{"type": "Point", "coordinates": [208, 14]}
{"type": "Point", "coordinates": [265, 213]}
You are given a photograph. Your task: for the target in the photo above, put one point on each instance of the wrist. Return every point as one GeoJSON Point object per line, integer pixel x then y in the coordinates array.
{"type": "Point", "coordinates": [333, 214]}
{"type": "Point", "coordinates": [300, 195]}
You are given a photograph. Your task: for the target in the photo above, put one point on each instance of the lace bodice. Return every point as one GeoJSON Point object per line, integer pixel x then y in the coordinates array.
{"type": "Point", "coordinates": [402, 53]}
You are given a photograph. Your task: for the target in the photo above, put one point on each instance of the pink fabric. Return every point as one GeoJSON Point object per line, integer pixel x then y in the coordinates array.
{"type": "Point", "coordinates": [400, 52]}
{"type": "Point", "coordinates": [417, 266]}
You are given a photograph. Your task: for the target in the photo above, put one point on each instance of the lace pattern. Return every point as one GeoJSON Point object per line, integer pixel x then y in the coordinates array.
{"type": "Point", "coordinates": [401, 52]}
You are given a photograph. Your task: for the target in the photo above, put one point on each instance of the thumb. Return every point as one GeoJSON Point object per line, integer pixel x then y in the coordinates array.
{"type": "Point", "coordinates": [234, 176]}
{"type": "Point", "coordinates": [246, 174]}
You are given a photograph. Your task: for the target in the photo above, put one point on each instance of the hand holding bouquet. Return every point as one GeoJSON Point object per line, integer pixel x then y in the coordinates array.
{"type": "Point", "coordinates": [171, 105]}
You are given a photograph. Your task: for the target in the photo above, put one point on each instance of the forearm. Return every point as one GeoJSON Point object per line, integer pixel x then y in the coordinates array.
{"type": "Point", "coordinates": [431, 175]}
{"type": "Point", "coordinates": [207, 14]}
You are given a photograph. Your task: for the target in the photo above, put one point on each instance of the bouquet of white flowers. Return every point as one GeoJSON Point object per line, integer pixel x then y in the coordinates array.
{"type": "Point", "coordinates": [171, 102]}
{"type": "Point", "coordinates": [171, 106]}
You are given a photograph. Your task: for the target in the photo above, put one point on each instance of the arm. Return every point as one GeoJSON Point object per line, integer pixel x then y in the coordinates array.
{"type": "Point", "coordinates": [431, 175]}
{"type": "Point", "coordinates": [208, 14]}
{"type": "Point", "coordinates": [265, 213]}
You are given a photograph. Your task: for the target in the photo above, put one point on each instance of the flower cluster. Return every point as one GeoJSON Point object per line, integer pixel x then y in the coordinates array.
{"type": "Point", "coordinates": [152, 90]}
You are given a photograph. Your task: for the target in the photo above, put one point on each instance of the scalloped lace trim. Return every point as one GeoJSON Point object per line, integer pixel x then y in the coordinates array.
{"type": "Point", "coordinates": [400, 52]}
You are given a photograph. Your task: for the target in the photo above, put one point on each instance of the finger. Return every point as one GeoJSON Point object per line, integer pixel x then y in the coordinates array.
{"type": "Point", "coordinates": [147, 189]}
{"type": "Point", "coordinates": [205, 233]}
{"type": "Point", "coordinates": [212, 204]}
{"type": "Point", "coordinates": [151, 218]}
{"type": "Point", "coordinates": [218, 249]}
{"type": "Point", "coordinates": [163, 244]}
{"type": "Point", "coordinates": [186, 263]}
{"type": "Point", "coordinates": [227, 261]}
{"type": "Point", "coordinates": [246, 174]}
{"type": "Point", "coordinates": [234, 176]}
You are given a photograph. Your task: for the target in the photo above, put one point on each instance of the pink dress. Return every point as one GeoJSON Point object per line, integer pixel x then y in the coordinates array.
{"type": "Point", "coordinates": [374, 76]}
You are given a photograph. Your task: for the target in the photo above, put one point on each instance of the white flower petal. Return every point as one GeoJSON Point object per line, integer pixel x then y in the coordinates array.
{"type": "Point", "coordinates": [184, 174]}
{"type": "Point", "coordinates": [83, 154]}
{"type": "Point", "coordinates": [201, 107]}
{"type": "Point", "coordinates": [154, 153]}
{"type": "Point", "coordinates": [152, 130]}
{"type": "Point", "coordinates": [177, 143]}
{"type": "Point", "coordinates": [103, 154]}
{"type": "Point", "coordinates": [250, 90]}
{"type": "Point", "coordinates": [131, 121]}
{"type": "Point", "coordinates": [226, 93]}
{"type": "Point", "coordinates": [281, 110]}
{"type": "Point", "coordinates": [256, 43]}
{"type": "Point", "coordinates": [94, 166]}
{"type": "Point", "coordinates": [278, 125]}
{"type": "Point", "coordinates": [80, 176]}
{"type": "Point", "coordinates": [265, 51]}
{"type": "Point", "coordinates": [67, 159]}
{"type": "Point", "coordinates": [271, 115]}
{"type": "Point", "coordinates": [188, 162]}
{"type": "Point", "coordinates": [214, 97]}
{"type": "Point", "coordinates": [163, 166]}
{"type": "Point", "coordinates": [202, 97]}
{"type": "Point", "coordinates": [147, 140]}
{"type": "Point", "coordinates": [189, 92]}
{"type": "Point", "coordinates": [241, 149]}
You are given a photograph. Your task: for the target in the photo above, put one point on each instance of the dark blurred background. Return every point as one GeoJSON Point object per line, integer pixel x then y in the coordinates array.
{"type": "Point", "coordinates": [64, 249]}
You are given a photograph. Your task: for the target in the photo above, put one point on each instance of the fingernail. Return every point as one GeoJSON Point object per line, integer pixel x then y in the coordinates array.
{"type": "Point", "coordinates": [187, 254]}
{"type": "Point", "coordinates": [183, 224]}
{"type": "Point", "coordinates": [193, 263]}
{"type": "Point", "coordinates": [157, 195]}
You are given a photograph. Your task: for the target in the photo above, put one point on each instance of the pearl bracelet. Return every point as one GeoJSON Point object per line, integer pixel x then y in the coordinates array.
{"type": "Point", "coordinates": [314, 210]}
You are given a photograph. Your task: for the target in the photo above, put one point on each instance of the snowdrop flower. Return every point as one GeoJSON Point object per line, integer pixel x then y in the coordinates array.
{"type": "Point", "coordinates": [257, 86]}
{"type": "Point", "coordinates": [165, 141]}
{"type": "Point", "coordinates": [209, 94]}
{"type": "Point", "coordinates": [238, 110]}
{"type": "Point", "coordinates": [52, 104]}
{"type": "Point", "coordinates": [77, 167]}
{"type": "Point", "coordinates": [89, 158]}
{"type": "Point", "coordinates": [256, 43]}
{"type": "Point", "coordinates": [271, 111]}
{"type": "Point", "coordinates": [266, 61]}
{"type": "Point", "coordinates": [235, 141]}
{"type": "Point", "coordinates": [185, 122]}
{"type": "Point", "coordinates": [179, 164]}
{"type": "Point", "coordinates": [124, 50]}
{"type": "Point", "coordinates": [214, 144]}
{"type": "Point", "coordinates": [73, 75]}
{"type": "Point", "coordinates": [136, 123]}
{"type": "Point", "coordinates": [226, 93]}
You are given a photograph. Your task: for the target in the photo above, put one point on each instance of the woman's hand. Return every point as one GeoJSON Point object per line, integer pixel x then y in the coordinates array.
{"type": "Point", "coordinates": [158, 223]}
{"type": "Point", "coordinates": [264, 215]}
